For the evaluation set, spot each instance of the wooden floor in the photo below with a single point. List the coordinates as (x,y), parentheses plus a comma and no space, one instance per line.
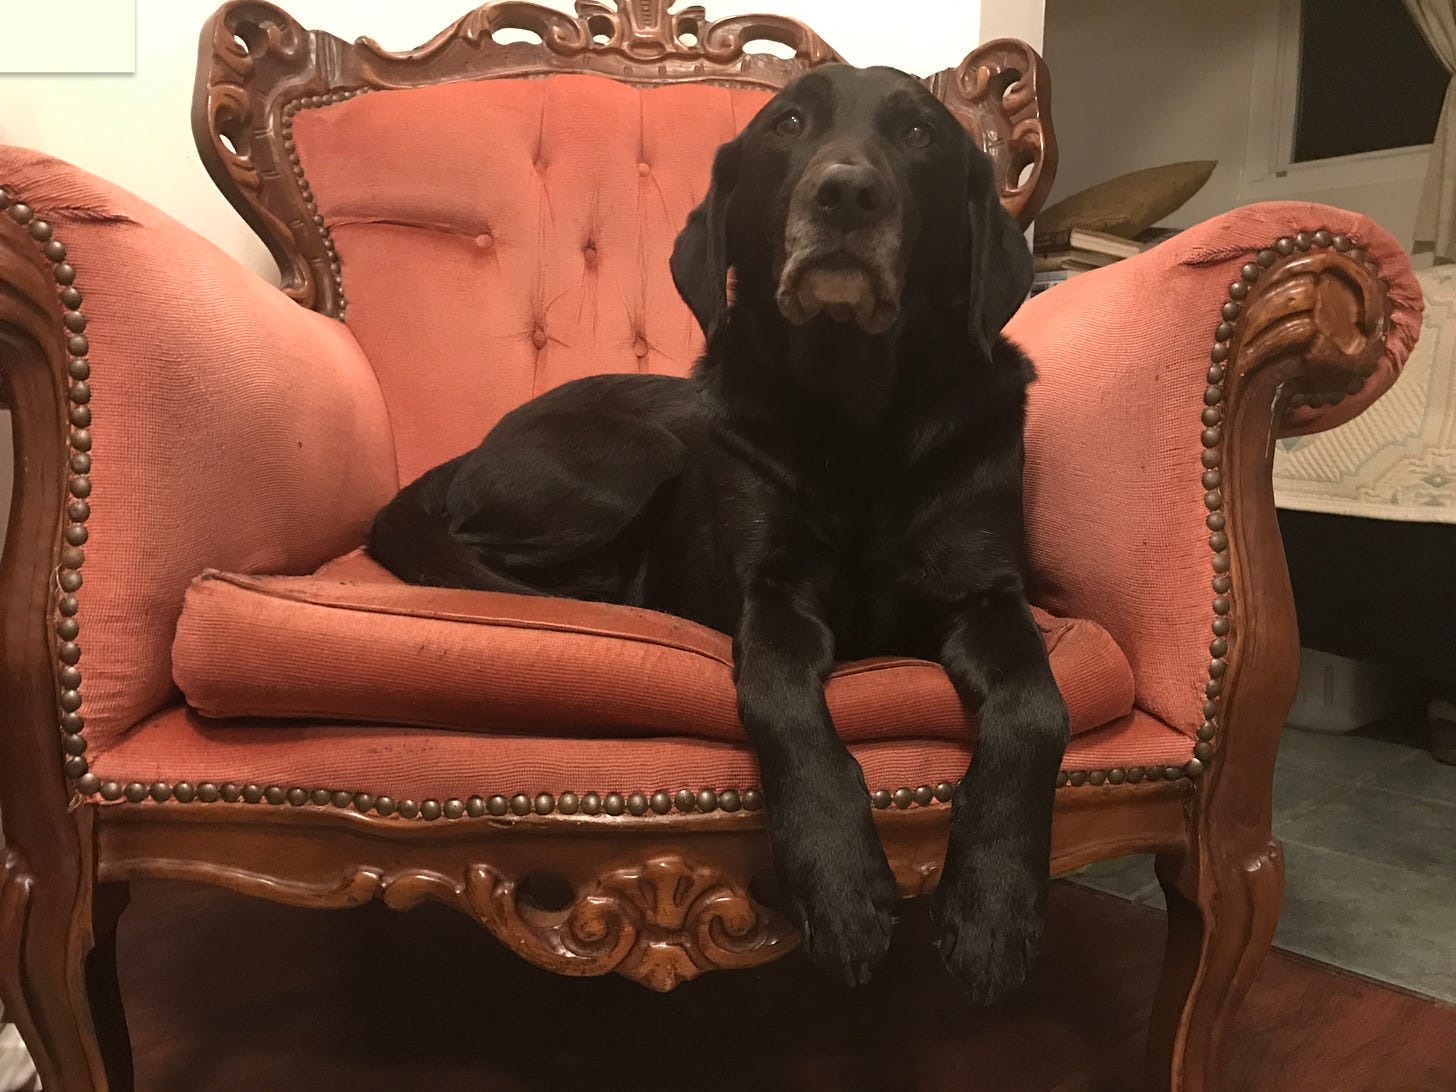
(228,993)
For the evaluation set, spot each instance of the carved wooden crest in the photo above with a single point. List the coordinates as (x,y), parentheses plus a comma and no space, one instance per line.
(642,32)
(258,65)
(660,923)
(1002,93)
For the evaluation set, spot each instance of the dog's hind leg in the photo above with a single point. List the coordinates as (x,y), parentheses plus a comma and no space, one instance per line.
(411,538)
(558,488)
(544,505)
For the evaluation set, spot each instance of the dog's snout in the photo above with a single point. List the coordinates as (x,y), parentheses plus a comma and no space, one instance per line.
(851,195)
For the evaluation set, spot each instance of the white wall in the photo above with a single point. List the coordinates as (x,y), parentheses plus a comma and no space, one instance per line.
(100,37)
(1022,19)
(1140,83)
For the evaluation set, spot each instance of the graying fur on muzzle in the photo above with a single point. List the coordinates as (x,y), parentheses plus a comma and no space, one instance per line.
(851,274)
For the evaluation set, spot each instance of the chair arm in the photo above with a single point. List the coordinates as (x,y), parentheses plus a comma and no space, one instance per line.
(1163,381)
(213,423)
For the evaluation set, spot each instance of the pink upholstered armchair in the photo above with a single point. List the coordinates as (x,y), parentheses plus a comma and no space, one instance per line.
(206,679)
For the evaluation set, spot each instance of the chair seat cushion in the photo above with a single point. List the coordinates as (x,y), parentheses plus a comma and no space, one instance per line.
(353,643)
(424,764)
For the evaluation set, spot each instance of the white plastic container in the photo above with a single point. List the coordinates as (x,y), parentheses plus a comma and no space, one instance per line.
(1340,695)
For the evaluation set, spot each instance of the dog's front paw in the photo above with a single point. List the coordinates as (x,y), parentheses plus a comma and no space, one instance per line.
(989,910)
(838,889)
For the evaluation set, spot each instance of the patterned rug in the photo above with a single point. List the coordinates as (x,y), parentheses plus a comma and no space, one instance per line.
(1397,460)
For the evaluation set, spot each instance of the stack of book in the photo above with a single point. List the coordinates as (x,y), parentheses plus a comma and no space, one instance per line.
(1062,255)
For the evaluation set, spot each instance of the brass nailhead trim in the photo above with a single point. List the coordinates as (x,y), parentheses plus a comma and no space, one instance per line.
(290,148)
(68,577)
(521,805)
(1211,438)
(659,802)
(67,629)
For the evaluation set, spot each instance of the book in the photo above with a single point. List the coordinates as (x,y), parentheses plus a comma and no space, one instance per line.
(1040,282)
(1073,259)
(1094,242)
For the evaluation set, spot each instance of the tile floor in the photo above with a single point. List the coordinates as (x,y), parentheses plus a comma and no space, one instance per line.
(1368,822)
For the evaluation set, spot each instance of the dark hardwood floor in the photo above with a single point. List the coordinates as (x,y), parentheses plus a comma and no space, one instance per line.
(226,993)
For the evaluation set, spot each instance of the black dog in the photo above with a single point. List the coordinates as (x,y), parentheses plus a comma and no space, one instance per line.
(840,478)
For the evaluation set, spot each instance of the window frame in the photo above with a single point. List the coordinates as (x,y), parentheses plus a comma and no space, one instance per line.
(1270,172)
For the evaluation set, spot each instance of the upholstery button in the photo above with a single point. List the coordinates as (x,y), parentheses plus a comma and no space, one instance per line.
(485,240)
(538,338)
(640,347)
(643,169)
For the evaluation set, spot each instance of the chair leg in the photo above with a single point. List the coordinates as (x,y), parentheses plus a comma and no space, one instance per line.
(104,988)
(45,933)
(1221,916)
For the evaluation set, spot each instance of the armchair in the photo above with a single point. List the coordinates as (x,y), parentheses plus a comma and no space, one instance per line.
(459,227)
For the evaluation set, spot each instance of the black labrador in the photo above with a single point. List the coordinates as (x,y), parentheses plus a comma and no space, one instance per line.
(841,477)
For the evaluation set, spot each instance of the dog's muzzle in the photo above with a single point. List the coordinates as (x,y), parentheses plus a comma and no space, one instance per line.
(842,242)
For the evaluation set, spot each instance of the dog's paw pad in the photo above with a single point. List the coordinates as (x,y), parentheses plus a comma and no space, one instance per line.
(842,896)
(989,961)
(987,931)
(847,939)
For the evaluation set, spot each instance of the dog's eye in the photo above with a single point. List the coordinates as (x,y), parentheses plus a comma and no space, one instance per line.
(918,136)
(790,125)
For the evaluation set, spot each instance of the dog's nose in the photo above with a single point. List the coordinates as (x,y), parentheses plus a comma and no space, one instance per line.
(851,195)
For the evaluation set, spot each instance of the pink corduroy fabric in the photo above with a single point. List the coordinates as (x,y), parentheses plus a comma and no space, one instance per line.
(429,764)
(500,237)
(543,253)
(231,429)
(1114,497)
(356,644)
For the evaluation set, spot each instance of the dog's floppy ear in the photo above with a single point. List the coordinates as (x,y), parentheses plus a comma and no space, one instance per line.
(1001,265)
(699,261)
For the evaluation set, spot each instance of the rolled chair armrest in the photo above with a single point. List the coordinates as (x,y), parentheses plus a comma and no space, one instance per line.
(1164,380)
(173,412)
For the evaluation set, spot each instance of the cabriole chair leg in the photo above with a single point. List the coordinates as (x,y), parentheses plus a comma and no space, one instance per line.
(1222,911)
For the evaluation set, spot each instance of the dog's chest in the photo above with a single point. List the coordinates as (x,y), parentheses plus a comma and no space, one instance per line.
(853,487)
(863,512)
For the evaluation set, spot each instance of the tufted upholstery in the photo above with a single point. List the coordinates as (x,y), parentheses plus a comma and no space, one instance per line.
(500,237)
(540,252)
(460,256)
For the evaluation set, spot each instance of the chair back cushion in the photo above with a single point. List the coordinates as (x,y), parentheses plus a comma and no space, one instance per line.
(497,238)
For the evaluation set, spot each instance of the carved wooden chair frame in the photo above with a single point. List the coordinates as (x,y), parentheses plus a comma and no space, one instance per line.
(658,881)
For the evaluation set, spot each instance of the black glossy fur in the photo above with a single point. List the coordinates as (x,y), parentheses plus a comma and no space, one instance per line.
(826,486)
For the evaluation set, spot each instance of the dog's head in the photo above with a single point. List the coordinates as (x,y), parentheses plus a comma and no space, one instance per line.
(848,188)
